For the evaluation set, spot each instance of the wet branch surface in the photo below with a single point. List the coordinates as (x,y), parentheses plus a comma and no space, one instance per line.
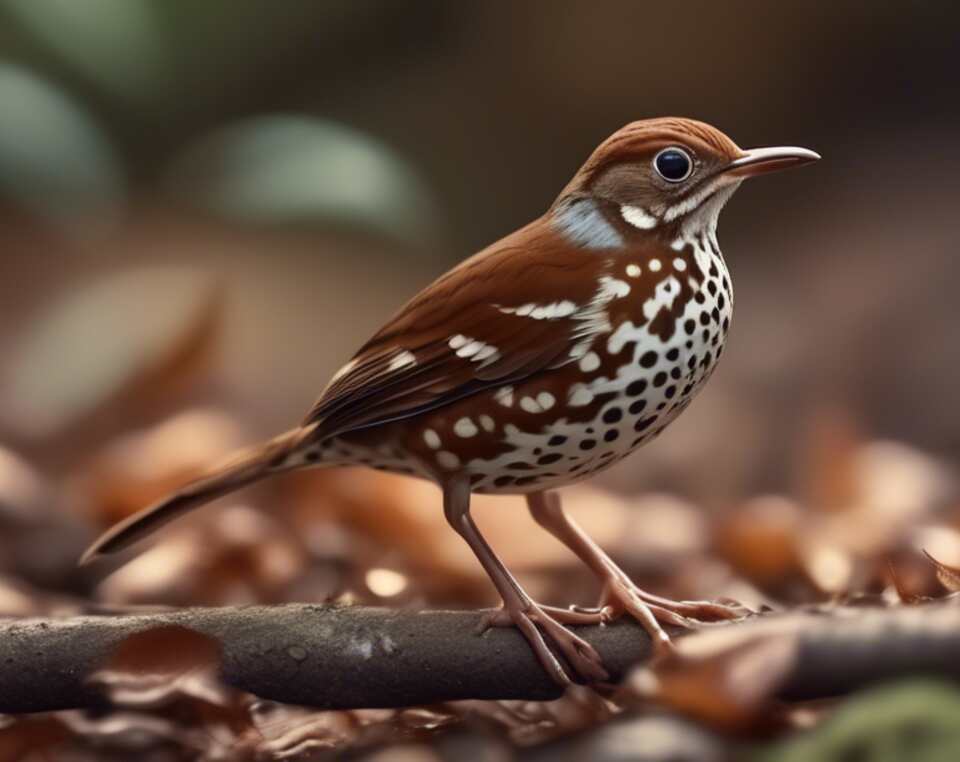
(351,656)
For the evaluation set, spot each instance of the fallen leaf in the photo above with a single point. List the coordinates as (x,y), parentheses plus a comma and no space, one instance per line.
(158,665)
(723,678)
(949,576)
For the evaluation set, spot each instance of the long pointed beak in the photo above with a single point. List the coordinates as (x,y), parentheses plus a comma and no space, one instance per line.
(758,161)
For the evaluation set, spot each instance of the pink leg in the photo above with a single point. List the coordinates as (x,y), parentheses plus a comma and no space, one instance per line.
(621,595)
(518,608)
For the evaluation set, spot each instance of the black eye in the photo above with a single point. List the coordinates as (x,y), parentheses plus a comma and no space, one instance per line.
(673,164)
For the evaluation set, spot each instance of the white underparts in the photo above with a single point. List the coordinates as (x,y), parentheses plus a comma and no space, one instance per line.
(704,206)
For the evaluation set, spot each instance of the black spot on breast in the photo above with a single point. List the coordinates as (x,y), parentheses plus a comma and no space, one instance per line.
(611,435)
(675,373)
(644,423)
(649,359)
(704,318)
(503,481)
(556,440)
(660,379)
(612,415)
(549,458)
(518,466)
(588,444)
(670,391)
(637,387)
(673,354)
(637,406)
(689,326)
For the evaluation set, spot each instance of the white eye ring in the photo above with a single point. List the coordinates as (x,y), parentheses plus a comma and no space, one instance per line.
(666,165)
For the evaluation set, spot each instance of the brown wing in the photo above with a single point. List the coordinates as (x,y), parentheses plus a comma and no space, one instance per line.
(519,307)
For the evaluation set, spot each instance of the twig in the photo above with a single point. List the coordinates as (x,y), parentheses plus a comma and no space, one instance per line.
(350,657)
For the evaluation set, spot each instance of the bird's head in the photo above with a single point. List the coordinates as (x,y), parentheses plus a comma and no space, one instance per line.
(664,174)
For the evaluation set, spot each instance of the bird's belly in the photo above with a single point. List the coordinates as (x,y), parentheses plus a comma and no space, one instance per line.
(642,383)
(563,425)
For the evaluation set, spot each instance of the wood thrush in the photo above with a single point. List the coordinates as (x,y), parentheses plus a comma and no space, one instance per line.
(549,356)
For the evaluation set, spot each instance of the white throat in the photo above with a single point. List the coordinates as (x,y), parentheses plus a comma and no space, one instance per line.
(703,217)
(699,211)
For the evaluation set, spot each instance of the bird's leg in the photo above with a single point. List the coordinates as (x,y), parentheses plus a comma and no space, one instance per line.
(620,594)
(520,609)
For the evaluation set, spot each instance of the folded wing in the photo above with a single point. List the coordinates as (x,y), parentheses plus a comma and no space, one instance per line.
(527,304)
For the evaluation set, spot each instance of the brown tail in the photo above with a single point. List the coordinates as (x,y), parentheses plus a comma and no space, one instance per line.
(242,469)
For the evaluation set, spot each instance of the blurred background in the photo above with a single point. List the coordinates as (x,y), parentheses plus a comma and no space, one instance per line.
(206,207)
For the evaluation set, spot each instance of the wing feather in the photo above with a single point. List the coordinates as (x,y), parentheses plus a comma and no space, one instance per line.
(455,338)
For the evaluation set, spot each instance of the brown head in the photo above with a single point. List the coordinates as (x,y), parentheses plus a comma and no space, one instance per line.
(663,173)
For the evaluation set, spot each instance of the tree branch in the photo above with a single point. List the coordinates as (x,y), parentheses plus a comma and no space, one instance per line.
(350,657)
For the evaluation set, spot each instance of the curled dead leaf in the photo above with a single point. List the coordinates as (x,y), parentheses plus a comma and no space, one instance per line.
(724,678)
(949,576)
(156,666)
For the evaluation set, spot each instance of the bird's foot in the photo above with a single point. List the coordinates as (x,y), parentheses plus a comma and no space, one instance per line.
(621,597)
(534,621)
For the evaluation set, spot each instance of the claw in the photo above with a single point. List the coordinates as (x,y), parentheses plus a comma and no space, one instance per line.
(622,596)
(534,621)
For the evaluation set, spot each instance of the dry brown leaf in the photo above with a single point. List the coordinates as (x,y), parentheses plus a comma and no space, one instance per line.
(829,476)
(156,666)
(949,576)
(760,539)
(138,468)
(232,555)
(904,584)
(30,737)
(61,394)
(723,678)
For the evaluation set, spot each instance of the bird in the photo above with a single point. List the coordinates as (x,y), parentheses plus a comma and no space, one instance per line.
(543,359)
